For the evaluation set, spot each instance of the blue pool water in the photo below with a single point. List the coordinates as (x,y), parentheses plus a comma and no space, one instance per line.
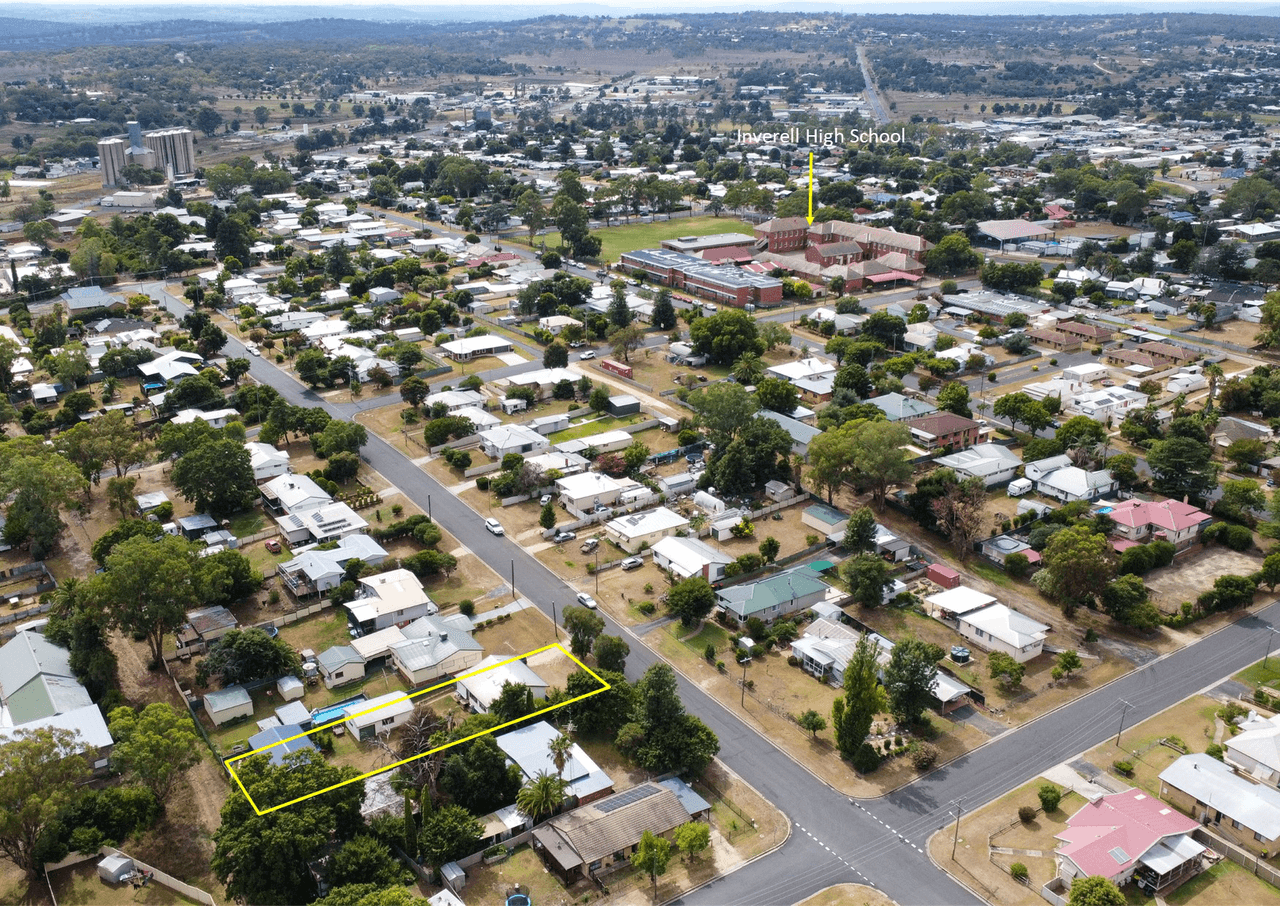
(1104,509)
(333,712)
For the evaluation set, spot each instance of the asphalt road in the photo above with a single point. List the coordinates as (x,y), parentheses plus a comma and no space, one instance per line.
(834,839)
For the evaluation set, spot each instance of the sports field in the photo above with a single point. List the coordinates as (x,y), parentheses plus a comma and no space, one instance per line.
(629,237)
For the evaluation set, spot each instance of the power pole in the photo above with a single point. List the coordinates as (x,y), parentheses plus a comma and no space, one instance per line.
(956,839)
(1123,711)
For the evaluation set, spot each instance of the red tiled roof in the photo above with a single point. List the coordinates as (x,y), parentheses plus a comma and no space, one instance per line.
(1173,515)
(1119,825)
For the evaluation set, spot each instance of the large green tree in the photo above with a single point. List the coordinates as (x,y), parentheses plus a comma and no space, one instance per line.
(1077,565)
(723,410)
(246,655)
(449,833)
(41,772)
(155,747)
(725,336)
(691,600)
(879,456)
(862,700)
(909,678)
(216,477)
(1095,891)
(1182,467)
(583,626)
(148,586)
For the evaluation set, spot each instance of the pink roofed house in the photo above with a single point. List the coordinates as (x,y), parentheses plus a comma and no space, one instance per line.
(1123,834)
(1166,520)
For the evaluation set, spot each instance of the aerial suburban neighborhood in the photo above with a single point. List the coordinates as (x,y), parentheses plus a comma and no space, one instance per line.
(754,458)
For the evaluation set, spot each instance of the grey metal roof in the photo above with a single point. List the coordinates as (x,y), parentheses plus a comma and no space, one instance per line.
(338,656)
(273,737)
(1255,806)
(223,699)
(26,655)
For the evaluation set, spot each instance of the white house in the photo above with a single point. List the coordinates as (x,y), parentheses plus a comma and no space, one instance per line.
(378,716)
(293,494)
(468,348)
(454,400)
(315,571)
(217,418)
(999,628)
(645,529)
(1166,520)
(1106,403)
(266,460)
(993,463)
(498,442)
(1255,750)
(1058,477)
(330,522)
(686,557)
(340,665)
(436,649)
(393,598)
(481,687)
(803,369)
(557,323)
(584,490)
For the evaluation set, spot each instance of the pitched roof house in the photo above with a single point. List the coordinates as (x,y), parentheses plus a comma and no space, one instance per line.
(776,596)
(1166,520)
(1116,835)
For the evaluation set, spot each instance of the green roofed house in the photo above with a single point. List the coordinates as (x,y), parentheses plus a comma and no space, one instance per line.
(777,596)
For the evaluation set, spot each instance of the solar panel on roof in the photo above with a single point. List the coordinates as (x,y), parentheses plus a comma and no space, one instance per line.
(635,794)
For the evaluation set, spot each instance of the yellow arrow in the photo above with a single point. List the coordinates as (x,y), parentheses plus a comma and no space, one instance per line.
(810,217)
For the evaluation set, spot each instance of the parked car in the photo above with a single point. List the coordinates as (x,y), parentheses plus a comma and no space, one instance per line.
(252,348)
(562,536)
(601,508)
(632,563)
(590,545)
(589,354)
(494,527)
(577,344)
(272,545)
(586,600)
(544,500)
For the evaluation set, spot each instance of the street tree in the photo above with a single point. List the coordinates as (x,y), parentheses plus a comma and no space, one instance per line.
(583,626)
(1068,662)
(725,336)
(626,340)
(611,653)
(41,773)
(954,398)
(555,356)
(664,313)
(812,721)
(155,747)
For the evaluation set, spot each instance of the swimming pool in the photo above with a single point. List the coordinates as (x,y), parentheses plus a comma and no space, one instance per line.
(335,711)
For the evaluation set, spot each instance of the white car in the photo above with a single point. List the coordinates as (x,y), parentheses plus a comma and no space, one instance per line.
(586,600)
(494,527)
(252,348)
(589,354)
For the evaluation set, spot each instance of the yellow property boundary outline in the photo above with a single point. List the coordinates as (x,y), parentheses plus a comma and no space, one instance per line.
(229,762)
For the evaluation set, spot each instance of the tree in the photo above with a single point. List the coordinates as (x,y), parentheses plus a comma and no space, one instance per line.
(618,313)
(862,700)
(867,577)
(885,328)
(39,484)
(1269,575)
(860,532)
(812,721)
(155,747)
(909,678)
(1124,469)
(1005,669)
(1182,467)
(312,366)
(1241,499)
(778,395)
(216,477)
(263,858)
(599,399)
(247,655)
(1078,563)
(651,856)
(364,860)
(583,626)
(1095,891)
(120,495)
(626,340)
(665,737)
(541,796)
(611,653)
(692,837)
(769,549)
(339,436)
(954,398)
(555,356)
(547,517)
(148,586)
(1018,407)
(724,410)
(691,600)
(725,336)
(1245,452)
(960,513)
(1081,432)
(952,255)
(1068,662)
(831,459)
(748,370)
(447,834)
(477,776)
(41,772)
(879,456)
(664,313)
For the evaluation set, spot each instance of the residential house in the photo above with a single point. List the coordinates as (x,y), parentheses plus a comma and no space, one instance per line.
(579,844)
(585,490)
(316,571)
(801,434)
(686,557)
(1086,332)
(330,522)
(339,665)
(1000,628)
(266,461)
(1246,813)
(226,705)
(604,442)
(637,531)
(776,596)
(993,463)
(1255,750)
(453,400)
(468,348)
(897,407)
(1054,339)
(292,494)
(394,598)
(498,442)
(170,367)
(1165,520)
(480,688)
(920,337)
(825,649)
(956,602)
(1106,404)
(378,716)
(433,648)
(826,519)
(39,690)
(528,749)
(802,369)
(1058,477)
(1122,834)
(1230,429)
(944,430)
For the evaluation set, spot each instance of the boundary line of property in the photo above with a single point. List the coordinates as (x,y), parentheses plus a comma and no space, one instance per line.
(604,687)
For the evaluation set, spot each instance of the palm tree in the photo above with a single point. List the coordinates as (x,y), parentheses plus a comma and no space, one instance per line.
(560,747)
(541,796)
(1213,373)
(749,369)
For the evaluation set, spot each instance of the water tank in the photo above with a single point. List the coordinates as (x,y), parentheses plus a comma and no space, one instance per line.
(959,654)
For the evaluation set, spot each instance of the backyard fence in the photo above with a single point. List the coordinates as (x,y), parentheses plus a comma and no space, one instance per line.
(157,876)
(1238,854)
